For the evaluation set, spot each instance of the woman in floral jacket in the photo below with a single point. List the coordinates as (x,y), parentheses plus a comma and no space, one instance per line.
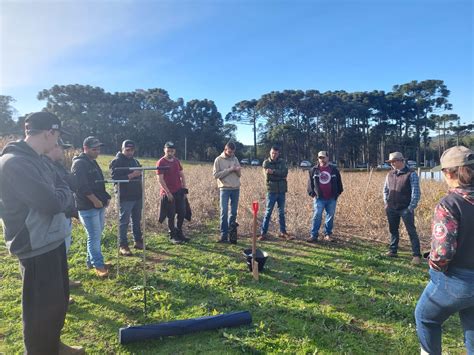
(451,259)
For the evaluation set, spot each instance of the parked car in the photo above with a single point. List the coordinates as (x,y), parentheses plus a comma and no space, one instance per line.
(245,161)
(306,164)
(411,164)
(362,165)
(255,162)
(384,166)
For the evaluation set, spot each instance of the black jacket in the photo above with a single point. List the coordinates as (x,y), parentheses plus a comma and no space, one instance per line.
(131,191)
(313,182)
(32,202)
(87,173)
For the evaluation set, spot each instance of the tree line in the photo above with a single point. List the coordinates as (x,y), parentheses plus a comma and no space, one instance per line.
(353,126)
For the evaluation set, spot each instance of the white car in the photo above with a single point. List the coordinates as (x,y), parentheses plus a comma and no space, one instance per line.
(255,162)
(305,164)
(384,166)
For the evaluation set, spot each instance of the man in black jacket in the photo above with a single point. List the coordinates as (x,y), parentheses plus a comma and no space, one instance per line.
(91,200)
(32,206)
(130,195)
(324,186)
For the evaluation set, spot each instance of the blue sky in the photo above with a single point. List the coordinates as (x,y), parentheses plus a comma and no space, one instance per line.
(233,50)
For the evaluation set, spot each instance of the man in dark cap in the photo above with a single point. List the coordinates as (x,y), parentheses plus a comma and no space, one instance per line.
(130,195)
(32,206)
(172,191)
(91,201)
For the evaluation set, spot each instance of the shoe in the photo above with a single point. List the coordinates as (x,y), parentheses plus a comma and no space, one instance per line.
(71,301)
(102,271)
(74,284)
(262,237)
(66,349)
(391,254)
(182,237)
(328,238)
(312,240)
(174,237)
(125,251)
(138,245)
(416,260)
(286,236)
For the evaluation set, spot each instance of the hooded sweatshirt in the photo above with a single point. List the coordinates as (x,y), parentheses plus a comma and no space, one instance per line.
(222,171)
(452,242)
(32,202)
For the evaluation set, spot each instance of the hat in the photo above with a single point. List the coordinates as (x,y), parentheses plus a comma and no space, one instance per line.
(395,156)
(64,145)
(455,156)
(92,142)
(169,145)
(43,121)
(128,144)
(323,153)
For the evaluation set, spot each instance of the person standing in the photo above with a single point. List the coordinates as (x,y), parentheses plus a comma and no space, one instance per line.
(276,172)
(131,199)
(32,206)
(401,194)
(91,200)
(324,186)
(227,172)
(451,286)
(173,193)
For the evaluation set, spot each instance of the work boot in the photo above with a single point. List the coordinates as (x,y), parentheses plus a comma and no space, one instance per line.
(138,245)
(125,251)
(312,239)
(102,272)
(391,254)
(180,236)
(70,350)
(174,237)
(416,260)
(286,236)
(74,284)
(328,238)
(263,237)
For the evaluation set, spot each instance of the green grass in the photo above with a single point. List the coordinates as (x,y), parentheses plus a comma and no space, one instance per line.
(338,298)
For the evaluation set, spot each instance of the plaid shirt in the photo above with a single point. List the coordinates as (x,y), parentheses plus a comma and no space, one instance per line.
(415,190)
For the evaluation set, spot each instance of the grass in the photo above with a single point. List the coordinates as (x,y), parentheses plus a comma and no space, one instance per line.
(333,298)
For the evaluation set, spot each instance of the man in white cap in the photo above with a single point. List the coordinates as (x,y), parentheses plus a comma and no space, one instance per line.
(324,186)
(401,194)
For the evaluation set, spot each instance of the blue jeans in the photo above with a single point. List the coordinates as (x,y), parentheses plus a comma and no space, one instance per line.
(319,205)
(408,217)
(94,221)
(272,198)
(133,209)
(446,294)
(225,195)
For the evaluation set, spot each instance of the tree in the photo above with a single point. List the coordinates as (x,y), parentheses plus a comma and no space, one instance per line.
(246,112)
(7,124)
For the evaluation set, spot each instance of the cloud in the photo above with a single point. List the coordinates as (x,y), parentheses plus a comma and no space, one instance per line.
(35,35)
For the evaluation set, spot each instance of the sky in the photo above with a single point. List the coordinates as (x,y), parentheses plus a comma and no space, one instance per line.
(233,50)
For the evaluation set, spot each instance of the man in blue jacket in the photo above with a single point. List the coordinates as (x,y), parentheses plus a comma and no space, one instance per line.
(130,195)
(32,206)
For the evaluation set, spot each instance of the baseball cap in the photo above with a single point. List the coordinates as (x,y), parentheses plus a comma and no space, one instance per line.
(128,143)
(323,153)
(43,121)
(169,145)
(395,156)
(92,142)
(454,157)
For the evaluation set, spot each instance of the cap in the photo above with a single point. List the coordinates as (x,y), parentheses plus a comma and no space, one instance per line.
(128,144)
(43,121)
(455,156)
(323,153)
(92,142)
(169,145)
(64,145)
(395,156)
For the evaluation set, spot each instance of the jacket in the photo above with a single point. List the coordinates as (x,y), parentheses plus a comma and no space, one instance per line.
(226,179)
(313,182)
(87,173)
(276,182)
(32,202)
(132,190)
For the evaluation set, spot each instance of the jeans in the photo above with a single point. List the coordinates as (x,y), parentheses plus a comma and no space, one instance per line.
(133,209)
(319,205)
(408,217)
(94,221)
(446,294)
(225,195)
(272,198)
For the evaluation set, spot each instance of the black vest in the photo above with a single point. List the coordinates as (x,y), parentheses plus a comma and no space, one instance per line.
(399,186)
